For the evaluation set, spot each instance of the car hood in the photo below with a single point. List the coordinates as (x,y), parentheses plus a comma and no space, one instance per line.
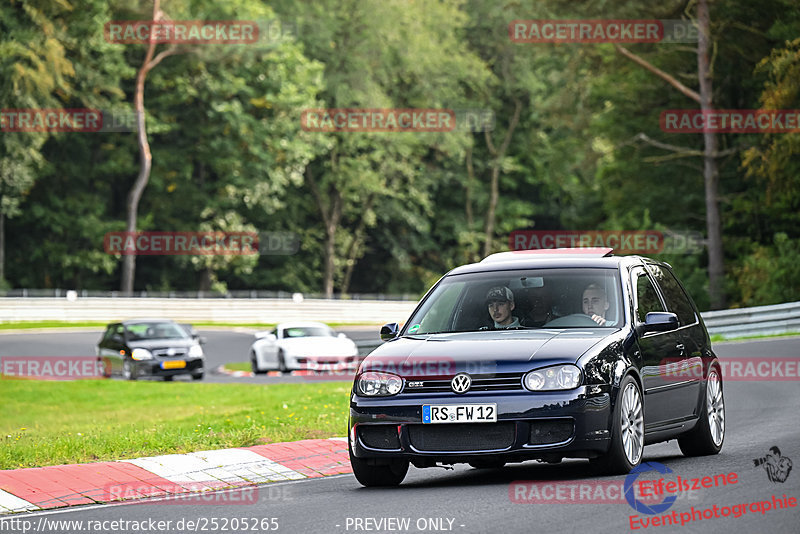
(318,346)
(151,344)
(486,351)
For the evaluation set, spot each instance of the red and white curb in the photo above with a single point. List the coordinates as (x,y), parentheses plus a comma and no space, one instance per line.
(39,488)
(221,370)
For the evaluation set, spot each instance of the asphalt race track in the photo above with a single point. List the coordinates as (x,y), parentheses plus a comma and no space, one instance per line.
(221,347)
(759,415)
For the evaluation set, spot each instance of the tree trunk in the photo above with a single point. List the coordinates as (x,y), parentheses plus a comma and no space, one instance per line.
(145,158)
(497,161)
(330,217)
(716,267)
(355,244)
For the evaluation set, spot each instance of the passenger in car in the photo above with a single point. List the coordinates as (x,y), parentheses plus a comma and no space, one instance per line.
(595,303)
(540,309)
(500,301)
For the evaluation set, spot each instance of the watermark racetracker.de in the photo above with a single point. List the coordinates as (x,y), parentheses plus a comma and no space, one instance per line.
(201,243)
(396,120)
(77,120)
(602,31)
(622,241)
(52,367)
(756,369)
(730,121)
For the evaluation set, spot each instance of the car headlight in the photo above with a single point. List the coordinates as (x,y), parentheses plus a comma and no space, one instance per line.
(141,354)
(553,378)
(195,351)
(374,384)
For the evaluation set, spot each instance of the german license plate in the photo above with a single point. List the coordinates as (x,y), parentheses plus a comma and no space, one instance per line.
(459,413)
(173,364)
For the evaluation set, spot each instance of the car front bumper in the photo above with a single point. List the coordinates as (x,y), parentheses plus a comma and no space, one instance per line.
(154,368)
(547,425)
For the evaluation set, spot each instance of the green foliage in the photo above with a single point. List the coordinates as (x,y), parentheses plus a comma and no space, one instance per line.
(398,208)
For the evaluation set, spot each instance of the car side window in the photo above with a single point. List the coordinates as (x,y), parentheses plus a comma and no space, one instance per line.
(677,301)
(646,296)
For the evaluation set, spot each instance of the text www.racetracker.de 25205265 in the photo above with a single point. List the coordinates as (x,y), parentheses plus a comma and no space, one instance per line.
(127,526)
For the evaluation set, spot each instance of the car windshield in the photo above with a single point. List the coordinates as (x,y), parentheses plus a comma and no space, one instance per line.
(524,299)
(139,331)
(307,331)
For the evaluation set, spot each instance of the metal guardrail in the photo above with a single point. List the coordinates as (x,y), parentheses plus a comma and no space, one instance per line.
(757,321)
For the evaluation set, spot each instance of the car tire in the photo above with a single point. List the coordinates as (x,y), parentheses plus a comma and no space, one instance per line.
(282,364)
(627,432)
(128,370)
(168,378)
(254,364)
(378,475)
(197,376)
(708,434)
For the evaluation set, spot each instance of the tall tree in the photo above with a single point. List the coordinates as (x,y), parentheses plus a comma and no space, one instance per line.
(145,157)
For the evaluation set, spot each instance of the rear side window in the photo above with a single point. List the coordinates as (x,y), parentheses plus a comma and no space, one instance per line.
(646,296)
(676,299)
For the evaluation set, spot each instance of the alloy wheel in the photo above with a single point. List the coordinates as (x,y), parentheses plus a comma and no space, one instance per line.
(715,405)
(632,424)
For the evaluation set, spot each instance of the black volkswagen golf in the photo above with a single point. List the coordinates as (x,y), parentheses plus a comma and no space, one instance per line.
(539,355)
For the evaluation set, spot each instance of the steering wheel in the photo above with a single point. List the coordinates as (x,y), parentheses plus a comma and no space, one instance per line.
(576,319)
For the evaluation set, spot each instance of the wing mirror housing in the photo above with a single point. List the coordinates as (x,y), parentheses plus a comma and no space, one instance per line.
(660,321)
(389,331)
(266,334)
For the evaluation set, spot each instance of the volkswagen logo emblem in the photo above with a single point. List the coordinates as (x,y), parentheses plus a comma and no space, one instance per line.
(461,383)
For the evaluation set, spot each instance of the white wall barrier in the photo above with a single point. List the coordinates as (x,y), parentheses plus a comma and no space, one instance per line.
(217,310)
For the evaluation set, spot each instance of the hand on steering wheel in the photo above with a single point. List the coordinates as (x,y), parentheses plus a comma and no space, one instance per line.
(599,320)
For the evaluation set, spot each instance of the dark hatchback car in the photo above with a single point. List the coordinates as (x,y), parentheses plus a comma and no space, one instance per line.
(591,362)
(151,348)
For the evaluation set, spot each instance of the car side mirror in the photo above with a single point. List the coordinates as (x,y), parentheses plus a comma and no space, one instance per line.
(117,338)
(389,331)
(202,340)
(265,334)
(341,335)
(660,321)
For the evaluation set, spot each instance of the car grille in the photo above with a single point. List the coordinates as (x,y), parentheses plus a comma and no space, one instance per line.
(379,436)
(493,382)
(163,353)
(462,436)
(546,431)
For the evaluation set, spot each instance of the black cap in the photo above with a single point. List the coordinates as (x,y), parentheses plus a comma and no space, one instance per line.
(500,293)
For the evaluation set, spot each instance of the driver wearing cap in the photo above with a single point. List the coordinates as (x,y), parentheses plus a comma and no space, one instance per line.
(500,301)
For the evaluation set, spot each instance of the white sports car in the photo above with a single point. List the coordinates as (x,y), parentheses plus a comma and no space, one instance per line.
(302,345)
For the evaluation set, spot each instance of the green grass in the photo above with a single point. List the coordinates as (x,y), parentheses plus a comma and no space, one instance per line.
(51,423)
(238,366)
(716,338)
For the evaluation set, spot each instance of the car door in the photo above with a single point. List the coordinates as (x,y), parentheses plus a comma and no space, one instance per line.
(268,347)
(110,347)
(657,348)
(690,338)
